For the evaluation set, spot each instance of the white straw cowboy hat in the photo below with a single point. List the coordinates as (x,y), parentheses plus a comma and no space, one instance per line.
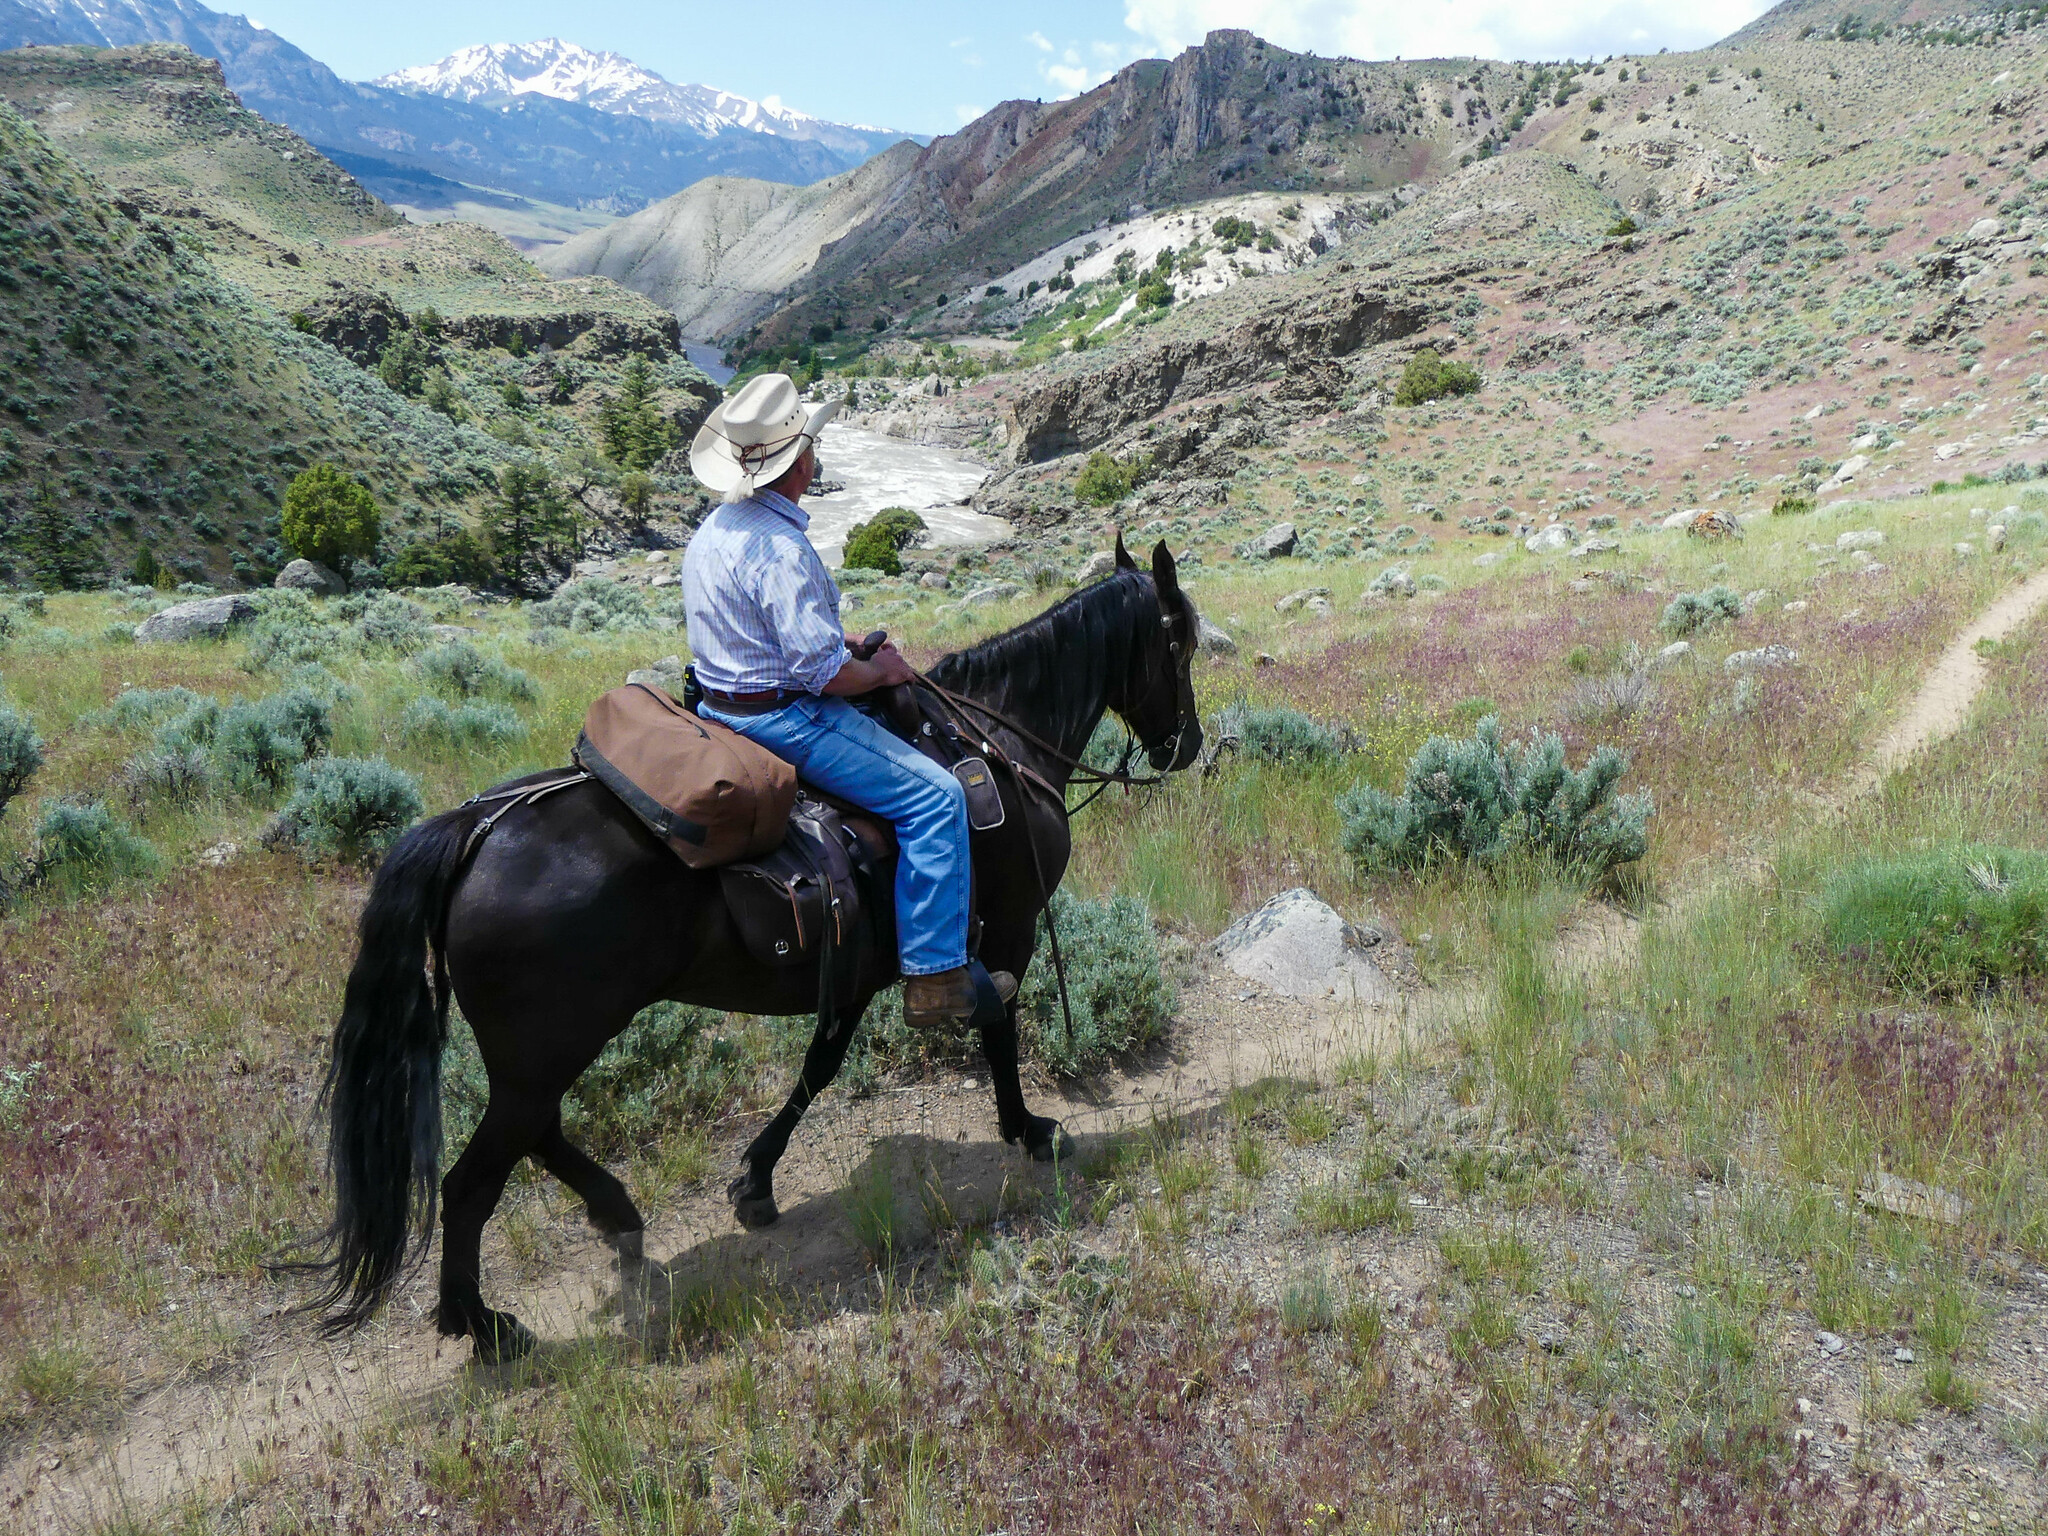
(754,436)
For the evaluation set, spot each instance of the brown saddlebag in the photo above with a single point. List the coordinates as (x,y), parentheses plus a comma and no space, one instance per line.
(709,793)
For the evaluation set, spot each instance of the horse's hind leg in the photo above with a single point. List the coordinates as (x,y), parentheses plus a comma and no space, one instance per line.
(611,1211)
(753,1193)
(512,1126)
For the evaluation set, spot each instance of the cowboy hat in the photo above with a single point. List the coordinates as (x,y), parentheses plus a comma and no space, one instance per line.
(755,436)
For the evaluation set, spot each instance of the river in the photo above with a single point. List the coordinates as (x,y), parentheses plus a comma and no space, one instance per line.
(879,471)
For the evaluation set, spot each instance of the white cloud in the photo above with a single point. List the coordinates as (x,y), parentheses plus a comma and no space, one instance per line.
(1039,41)
(1499,29)
(968,114)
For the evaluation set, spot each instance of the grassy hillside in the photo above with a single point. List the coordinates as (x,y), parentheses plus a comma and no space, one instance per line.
(318,277)
(153,404)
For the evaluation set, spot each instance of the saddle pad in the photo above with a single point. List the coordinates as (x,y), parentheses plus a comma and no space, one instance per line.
(709,793)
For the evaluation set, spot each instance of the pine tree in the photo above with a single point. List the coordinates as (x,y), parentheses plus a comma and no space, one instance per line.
(634,431)
(530,525)
(59,548)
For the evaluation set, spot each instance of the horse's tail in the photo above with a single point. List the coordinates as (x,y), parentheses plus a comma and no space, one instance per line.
(383,1088)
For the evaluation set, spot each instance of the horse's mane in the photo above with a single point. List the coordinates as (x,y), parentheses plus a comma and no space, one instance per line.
(1056,670)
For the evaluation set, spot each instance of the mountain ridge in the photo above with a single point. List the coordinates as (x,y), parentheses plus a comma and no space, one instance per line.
(532,145)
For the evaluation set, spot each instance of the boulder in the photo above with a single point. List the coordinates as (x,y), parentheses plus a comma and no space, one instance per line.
(1714,524)
(1299,946)
(1859,538)
(1766,656)
(994,592)
(311,576)
(1681,519)
(1554,540)
(1675,652)
(1394,581)
(1595,547)
(1985,229)
(206,618)
(1213,639)
(1275,542)
(1851,467)
(1095,567)
(666,674)
(1492,557)
(1994,535)
(934,581)
(1294,600)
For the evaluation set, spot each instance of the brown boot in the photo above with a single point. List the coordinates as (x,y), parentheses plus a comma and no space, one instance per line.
(931,1000)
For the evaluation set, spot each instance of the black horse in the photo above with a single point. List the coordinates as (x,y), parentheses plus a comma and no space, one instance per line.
(564,922)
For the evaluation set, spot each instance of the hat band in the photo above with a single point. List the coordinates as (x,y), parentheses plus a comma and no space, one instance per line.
(753,457)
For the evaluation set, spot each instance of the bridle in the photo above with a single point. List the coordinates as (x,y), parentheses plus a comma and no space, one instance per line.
(960,706)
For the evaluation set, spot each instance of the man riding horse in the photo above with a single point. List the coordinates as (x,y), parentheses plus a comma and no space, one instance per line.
(763,615)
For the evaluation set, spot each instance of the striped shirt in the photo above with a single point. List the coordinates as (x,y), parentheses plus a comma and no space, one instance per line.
(763,612)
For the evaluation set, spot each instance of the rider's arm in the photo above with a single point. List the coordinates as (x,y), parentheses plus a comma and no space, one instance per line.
(886,670)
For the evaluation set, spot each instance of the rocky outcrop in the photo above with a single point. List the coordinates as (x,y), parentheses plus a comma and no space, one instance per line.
(358,323)
(207,618)
(594,334)
(1297,351)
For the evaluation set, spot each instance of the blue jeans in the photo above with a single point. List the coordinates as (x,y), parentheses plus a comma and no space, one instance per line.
(841,750)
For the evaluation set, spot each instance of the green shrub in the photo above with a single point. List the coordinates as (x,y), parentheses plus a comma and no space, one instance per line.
(134,708)
(433,722)
(392,623)
(1156,294)
(1622,227)
(1428,377)
(877,544)
(665,1069)
(1116,981)
(593,606)
(1791,504)
(1947,920)
(1280,734)
(1482,798)
(289,632)
(1691,612)
(454,557)
(249,747)
(329,516)
(351,807)
(1104,481)
(81,844)
(21,755)
(459,668)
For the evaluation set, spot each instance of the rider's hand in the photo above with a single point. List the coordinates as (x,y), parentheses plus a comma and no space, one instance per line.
(889,662)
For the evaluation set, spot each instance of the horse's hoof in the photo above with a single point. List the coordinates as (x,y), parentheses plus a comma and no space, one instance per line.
(1055,1145)
(754,1214)
(501,1338)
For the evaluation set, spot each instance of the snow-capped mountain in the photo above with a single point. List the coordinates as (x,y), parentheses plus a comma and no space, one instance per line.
(610,82)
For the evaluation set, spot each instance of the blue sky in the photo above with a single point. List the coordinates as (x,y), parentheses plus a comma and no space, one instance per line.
(930,67)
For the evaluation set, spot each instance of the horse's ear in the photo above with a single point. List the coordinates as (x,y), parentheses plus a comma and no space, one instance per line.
(1164,576)
(1124,562)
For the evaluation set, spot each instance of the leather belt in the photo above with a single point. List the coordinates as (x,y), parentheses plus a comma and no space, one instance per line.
(766,702)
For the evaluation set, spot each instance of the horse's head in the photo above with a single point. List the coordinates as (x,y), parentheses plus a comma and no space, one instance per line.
(1158,697)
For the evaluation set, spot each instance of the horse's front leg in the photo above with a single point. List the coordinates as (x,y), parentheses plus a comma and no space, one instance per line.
(1043,1137)
(753,1193)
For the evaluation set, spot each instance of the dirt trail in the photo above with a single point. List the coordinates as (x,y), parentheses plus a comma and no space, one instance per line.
(290,1391)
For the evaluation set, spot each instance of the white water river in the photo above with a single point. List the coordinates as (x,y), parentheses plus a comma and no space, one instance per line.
(880,472)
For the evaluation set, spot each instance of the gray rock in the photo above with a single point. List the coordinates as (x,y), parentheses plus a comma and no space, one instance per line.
(994,592)
(446,632)
(1294,600)
(1095,567)
(1277,541)
(1859,538)
(1299,946)
(1903,1355)
(206,618)
(1682,519)
(1675,652)
(1394,581)
(1492,557)
(1765,656)
(1317,608)
(666,674)
(934,581)
(1213,639)
(1554,540)
(311,576)
(1595,547)
(1830,1343)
